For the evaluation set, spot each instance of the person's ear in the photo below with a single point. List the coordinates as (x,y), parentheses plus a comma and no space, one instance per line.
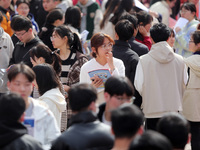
(106,96)
(141,130)
(93,49)
(189,138)
(92,106)
(152,40)
(21,119)
(116,36)
(198,45)
(112,132)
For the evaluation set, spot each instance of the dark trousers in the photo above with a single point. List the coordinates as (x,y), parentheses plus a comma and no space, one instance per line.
(151,123)
(195,132)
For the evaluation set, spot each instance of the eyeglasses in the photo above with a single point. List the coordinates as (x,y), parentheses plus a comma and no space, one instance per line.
(53,37)
(190,41)
(131,99)
(19,34)
(23,8)
(183,11)
(109,45)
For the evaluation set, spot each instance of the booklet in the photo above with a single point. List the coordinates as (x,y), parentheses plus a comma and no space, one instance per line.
(101,73)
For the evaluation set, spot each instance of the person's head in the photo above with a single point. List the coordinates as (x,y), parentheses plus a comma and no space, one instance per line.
(188,11)
(23,7)
(63,35)
(82,97)
(42,54)
(111,7)
(49,5)
(73,16)
(22,27)
(133,19)
(124,6)
(171,3)
(127,121)
(20,79)
(194,43)
(101,44)
(176,128)
(124,30)
(55,17)
(171,39)
(5,3)
(144,19)
(118,90)
(159,32)
(12,107)
(46,78)
(83,2)
(151,140)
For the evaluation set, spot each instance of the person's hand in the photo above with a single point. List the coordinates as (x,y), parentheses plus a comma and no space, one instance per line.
(177,29)
(96,81)
(109,57)
(142,30)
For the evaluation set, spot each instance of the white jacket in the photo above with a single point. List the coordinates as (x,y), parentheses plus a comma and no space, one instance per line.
(56,102)
(46,129)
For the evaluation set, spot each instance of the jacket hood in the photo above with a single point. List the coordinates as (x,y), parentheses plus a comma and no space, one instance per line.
(9,131)
(56,97)
(193,62)
(87,4)
(162,52)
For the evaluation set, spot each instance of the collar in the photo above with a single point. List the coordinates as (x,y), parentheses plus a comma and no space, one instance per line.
(83,117)
(122,43)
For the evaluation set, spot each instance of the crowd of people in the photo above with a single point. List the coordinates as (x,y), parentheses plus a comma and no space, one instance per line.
(131,83)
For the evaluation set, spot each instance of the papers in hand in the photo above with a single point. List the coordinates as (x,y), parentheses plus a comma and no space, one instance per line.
(181,22)
(101,73)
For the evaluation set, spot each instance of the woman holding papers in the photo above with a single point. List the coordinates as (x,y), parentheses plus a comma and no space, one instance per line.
(103,65)
(188,11)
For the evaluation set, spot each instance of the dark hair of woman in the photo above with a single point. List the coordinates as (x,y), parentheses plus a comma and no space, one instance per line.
(124,6)
(110,9)
(144,18)
(50,57)
(73,39)
(46,78)
(73,17)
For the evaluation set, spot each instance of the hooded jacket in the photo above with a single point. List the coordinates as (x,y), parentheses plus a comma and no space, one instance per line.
(160,79)
(191,102)
(56,102)
(13,135)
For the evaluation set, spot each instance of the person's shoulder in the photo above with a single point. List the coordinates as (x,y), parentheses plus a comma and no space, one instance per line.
(31,142)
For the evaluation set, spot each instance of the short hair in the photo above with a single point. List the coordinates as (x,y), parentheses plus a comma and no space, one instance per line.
(50,57)
(159,32)
(133,19)
(124,30)
(126,121)
(73,16)
(189,6)
(81,96)
(151,140)
(176,128)
(97,40)
(46,78)
(18,2)
(53,15)
(196,37)
(144,18)
(23,69)
(19,23)
(12,106)
(117,85)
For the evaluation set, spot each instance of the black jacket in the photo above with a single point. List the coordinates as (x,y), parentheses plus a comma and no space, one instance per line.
(102,108)
(21,52)
(123,51)
(13,136)
(138,47)
(85,133)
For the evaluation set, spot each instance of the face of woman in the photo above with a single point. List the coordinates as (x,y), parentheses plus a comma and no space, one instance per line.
(171,40)
(187,14)
(57,41)
(148,26)
(192,46)
(23,9)
(104,49)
